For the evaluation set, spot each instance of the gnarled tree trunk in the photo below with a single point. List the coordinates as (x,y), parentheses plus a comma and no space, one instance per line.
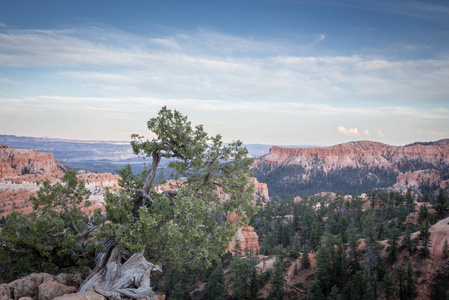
(117,281)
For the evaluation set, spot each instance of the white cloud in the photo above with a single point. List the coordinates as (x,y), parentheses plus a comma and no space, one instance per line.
(380,134)
(350,131)
(207,64)
(213,76)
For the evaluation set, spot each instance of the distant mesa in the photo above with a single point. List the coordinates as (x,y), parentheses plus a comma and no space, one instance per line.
(352,168)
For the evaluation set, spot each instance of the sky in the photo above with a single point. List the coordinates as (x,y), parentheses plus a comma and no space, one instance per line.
(284,72)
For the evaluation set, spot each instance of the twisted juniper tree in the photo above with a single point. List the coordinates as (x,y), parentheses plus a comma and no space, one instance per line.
(184,222)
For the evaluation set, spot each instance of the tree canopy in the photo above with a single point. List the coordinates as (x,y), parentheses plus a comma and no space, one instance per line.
(182,222)
(185,220)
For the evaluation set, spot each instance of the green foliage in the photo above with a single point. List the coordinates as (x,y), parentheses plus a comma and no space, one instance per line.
(188,224)
(240,276)
(277,281)
(50,239)
(442,203)
(215,287)
(445,252)
(305,260)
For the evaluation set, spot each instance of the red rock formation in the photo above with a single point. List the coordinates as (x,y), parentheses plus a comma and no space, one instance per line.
(245,236)
(355,154)
(261,191)
(305,171)
(16,162)
(23,171)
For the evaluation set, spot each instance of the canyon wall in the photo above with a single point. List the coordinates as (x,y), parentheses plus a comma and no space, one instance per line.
(352,167)
(23,171)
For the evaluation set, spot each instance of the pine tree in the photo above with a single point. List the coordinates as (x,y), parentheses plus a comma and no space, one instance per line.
(410,287)
(324,272)
(392,249)
(253,285)
(441,204)
(305,260)
(277,281)
(400,279)
(239,277)
(388,287)
(215,287)
(445,254)
(237,249)
(424,236)
(409,243)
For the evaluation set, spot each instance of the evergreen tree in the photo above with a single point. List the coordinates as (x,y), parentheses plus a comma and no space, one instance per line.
(400,279)
(50,239)
(215,287)
(423,214)
(357,287)
(441,204)
(305,260)
(408,243)
(253,285)
(392,249)
(424,236)
(445,254)
(239,277)
(410,287)
(388,287)
(324,271)
(179,293)
(277,281)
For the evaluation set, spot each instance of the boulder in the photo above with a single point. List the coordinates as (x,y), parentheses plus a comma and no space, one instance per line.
(52,289)
(81,296)
(27,286)
(74,280)
(5,292)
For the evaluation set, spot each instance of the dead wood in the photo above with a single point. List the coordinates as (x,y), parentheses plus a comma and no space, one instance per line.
(118,281)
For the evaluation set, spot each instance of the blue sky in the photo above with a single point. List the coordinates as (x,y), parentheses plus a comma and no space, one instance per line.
(274,72)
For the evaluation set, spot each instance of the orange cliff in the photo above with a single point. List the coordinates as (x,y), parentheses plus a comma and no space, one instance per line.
(354,154)
(16,162)
(23,171)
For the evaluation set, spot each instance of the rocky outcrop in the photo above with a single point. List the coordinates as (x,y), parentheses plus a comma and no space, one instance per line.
(52,289)
(22,172)
(15,162)
(247,239)
(43,286)
(352,167)
(261,191)
(357,154)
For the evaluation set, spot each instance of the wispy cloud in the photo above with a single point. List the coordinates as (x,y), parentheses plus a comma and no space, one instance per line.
(207,64)
(261,83)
